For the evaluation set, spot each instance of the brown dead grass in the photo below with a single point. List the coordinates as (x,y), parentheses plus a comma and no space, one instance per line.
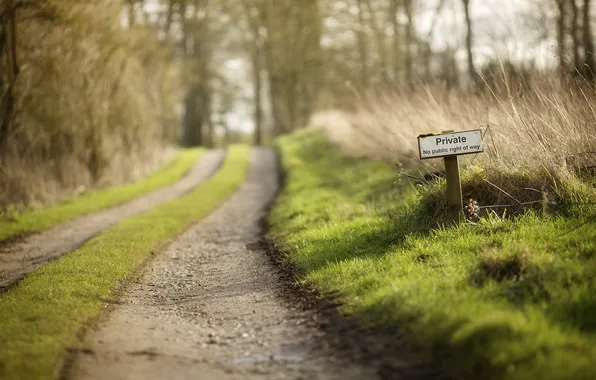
(93,103)
(537,140)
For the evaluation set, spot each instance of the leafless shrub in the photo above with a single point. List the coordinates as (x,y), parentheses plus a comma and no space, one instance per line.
(90,100)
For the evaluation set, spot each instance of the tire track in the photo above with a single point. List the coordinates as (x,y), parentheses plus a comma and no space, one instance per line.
(211,308)
(21,257)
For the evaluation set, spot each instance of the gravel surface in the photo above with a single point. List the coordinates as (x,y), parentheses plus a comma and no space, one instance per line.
(214,305)
(211,308)
(24,255)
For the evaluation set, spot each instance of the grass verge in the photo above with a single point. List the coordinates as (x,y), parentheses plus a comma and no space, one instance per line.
(41,317)
(89,202)
(503,298)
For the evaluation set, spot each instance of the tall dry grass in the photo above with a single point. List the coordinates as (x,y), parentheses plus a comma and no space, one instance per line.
(537,139)
(93,104)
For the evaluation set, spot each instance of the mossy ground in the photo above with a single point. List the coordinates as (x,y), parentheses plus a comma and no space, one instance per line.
(500,298)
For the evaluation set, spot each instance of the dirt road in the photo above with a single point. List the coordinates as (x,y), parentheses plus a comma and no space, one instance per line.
(18,259)
(210,308)
(214,306)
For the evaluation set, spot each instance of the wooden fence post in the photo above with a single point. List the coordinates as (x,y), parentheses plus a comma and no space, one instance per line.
(454,197)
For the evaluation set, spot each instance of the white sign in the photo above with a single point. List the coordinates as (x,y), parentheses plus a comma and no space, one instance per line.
(450,144)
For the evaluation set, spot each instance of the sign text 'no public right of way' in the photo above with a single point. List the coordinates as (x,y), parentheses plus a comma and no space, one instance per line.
(449,144)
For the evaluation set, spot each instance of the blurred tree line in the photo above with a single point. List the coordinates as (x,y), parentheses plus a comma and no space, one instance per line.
(319,53)
(574,37)
(89,88)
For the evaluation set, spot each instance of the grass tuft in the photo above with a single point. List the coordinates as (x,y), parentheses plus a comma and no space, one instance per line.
(500,266)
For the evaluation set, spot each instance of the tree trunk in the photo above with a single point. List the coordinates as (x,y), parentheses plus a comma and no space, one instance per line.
(131,13)
(8,47)
(204,106)
(169,18)
(11,48)
(258,112)
(428,56)
(394,14)
(198,124)
(380,35)
(469,40)
(575,34)
(226,129)
(589,61)
(193,135)
(427,50)
(184,26)
(255,23)
(409,41)
(6,115)
(561,21)
(308,85)
(274,82)
(144,12)
(274,90)
(362,49)
(210,140)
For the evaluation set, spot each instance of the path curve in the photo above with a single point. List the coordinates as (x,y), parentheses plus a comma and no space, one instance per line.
(210,308)
(22,257)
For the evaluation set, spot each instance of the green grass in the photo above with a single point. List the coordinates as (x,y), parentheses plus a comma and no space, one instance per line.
(41,317)
(500,299)
(37,220)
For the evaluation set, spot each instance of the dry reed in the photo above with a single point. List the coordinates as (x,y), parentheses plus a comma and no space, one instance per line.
(536,139)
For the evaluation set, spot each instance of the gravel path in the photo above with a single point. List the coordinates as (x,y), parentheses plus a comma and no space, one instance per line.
(211,308)
(20,258)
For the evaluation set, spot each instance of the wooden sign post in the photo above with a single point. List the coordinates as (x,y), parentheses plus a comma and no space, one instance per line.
(450,145)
